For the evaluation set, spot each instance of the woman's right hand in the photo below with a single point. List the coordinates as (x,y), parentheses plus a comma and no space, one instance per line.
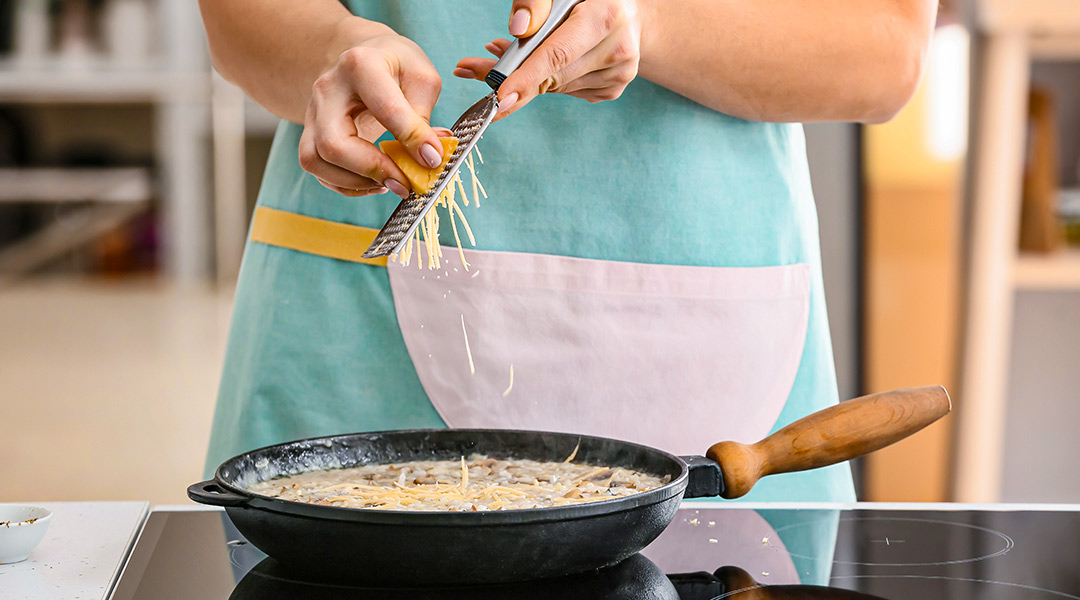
(385,82)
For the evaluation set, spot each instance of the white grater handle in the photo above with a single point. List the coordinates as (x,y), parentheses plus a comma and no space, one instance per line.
(522,48)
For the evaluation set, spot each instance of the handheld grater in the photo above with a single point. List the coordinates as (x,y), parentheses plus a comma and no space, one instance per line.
(393,236)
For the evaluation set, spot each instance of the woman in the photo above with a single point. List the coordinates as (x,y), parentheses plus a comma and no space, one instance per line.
(648,263)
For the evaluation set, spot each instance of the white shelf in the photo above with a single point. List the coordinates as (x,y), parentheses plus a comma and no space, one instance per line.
(97,81)
(113,185)
(1039,17)
(1055,47)
(1058,271)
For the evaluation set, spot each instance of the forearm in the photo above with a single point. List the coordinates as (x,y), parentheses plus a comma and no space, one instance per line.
(789,60)
(275,49)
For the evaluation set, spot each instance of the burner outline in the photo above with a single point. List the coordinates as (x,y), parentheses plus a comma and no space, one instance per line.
(964,579)
(1009,544)
(931,577)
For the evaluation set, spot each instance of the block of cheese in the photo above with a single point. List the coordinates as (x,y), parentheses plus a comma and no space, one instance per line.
(420,176)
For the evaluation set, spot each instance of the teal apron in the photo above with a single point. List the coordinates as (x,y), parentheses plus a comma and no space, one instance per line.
(649,193)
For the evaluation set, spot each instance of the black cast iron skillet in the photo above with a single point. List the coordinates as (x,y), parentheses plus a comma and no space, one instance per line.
(385,546)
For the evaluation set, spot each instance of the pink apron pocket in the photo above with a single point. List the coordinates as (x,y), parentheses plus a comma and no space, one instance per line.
(669,356)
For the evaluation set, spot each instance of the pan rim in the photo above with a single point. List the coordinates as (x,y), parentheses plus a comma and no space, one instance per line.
(674,489)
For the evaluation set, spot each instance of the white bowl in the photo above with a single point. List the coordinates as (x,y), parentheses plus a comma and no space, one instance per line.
(21,529)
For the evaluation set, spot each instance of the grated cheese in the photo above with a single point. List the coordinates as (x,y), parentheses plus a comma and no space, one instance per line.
(422,178)
(468,351)
(511,386)
(474,483)
(573,454)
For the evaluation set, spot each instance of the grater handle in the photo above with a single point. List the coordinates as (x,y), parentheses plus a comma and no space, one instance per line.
(522,48)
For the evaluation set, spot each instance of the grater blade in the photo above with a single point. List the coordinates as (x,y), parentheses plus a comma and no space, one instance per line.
(406,217)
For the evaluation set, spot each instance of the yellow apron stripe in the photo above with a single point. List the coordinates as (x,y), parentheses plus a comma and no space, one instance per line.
(313,236)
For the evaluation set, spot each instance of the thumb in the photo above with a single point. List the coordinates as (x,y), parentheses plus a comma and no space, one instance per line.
(527,16)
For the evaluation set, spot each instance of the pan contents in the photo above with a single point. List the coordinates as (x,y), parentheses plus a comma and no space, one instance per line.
(477,483)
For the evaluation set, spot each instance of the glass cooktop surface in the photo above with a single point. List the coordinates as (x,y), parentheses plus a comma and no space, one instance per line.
(707,553)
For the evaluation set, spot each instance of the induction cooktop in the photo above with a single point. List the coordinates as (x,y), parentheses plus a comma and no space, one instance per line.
(708,553)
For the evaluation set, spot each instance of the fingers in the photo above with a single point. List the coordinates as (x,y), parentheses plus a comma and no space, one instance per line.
(331,148)
(527,16)
(498,47)
(401,104)
(367,126)
(582,31)
(474,68)
(608,65)
(342,179)
(385,83)
(611,79)
(353,193)
(477,68)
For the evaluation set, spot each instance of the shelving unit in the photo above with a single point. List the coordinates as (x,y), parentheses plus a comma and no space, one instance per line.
(115,185)
(1055,272)
(176,81)
(97,81)
(112,195)
(1014,33)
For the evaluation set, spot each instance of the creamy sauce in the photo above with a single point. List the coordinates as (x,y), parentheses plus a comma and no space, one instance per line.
(474,484)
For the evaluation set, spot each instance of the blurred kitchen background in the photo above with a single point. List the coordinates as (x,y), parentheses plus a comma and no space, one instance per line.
(128,170)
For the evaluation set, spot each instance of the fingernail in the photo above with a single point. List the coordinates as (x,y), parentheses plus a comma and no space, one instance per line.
(508,102)
(441,130)
(377,191)
(430,155)
(397,187)
(467,73)
(519,22)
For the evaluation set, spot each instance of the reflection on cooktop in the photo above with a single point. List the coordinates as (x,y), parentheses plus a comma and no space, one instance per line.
(634,579)
(732,582)
(909,542)
(706,554)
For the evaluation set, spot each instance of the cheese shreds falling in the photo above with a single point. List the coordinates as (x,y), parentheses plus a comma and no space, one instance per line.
(511,386)
(472,169)
(427,234)
(468,351)
(457,239)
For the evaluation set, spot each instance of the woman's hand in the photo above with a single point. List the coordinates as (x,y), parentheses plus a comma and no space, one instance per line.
(385,82)
(593,55)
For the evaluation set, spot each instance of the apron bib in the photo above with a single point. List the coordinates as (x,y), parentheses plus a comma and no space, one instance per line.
(605,348)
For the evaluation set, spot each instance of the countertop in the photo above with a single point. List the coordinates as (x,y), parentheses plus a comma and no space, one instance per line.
(89,545)
(82,553)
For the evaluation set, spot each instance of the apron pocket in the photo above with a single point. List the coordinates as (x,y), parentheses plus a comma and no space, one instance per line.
(673,357)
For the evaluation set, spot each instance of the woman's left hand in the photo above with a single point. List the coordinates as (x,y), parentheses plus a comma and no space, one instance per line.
(593,55)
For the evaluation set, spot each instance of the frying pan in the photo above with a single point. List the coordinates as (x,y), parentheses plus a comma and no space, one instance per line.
(425,548)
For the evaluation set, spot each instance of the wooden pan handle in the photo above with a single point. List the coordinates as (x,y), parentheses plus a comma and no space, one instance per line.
(838,433)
